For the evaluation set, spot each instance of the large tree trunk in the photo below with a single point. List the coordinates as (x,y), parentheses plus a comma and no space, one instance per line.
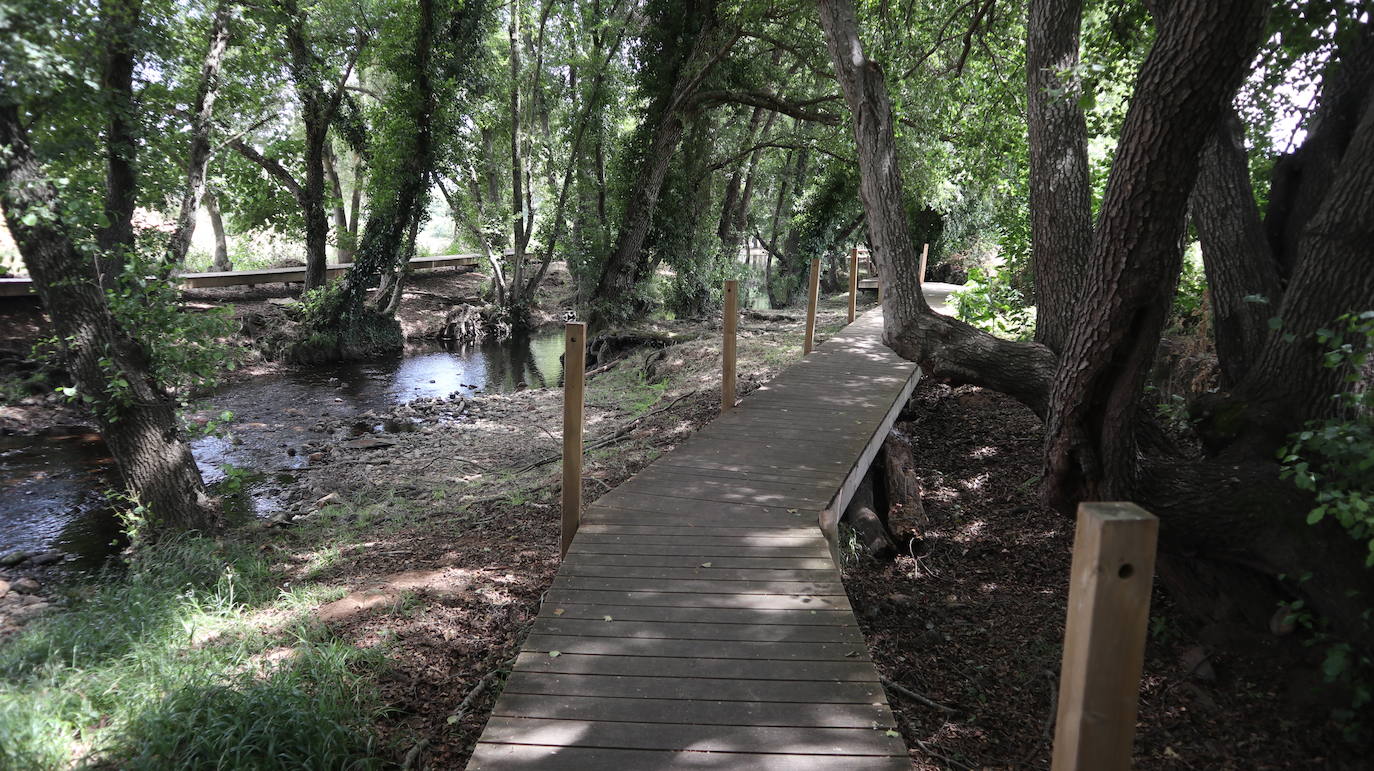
(343,250)
(1191,72)
(1060,195)
(626,265)
(217,225)
(137,418)
(1241,273)
(944,347)
(120,19)
(199,154)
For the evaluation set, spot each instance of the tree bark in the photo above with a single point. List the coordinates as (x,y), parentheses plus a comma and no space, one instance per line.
(1235,253)
(944,347)
(198,155)
(343,252)
(1189,75)
(120,19)
(1060,194)
(217,225)
(137,418)
(626,265)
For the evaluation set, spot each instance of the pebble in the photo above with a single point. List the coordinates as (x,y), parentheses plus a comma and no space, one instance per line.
(4,587)
(14,558)
(26,585)
(46,558)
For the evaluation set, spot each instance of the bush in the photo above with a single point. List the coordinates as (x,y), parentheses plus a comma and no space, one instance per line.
(990,302)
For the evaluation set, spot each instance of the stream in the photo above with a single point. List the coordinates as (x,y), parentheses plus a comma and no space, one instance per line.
(52,486)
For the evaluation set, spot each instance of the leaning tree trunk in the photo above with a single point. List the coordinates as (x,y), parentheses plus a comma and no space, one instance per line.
(199,155)
(626,265)
(1191,72)
(1060,210)
(316,112)
(944,347)
(137,418)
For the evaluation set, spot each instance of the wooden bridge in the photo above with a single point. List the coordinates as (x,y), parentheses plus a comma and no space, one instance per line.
(23,287)
(698,620)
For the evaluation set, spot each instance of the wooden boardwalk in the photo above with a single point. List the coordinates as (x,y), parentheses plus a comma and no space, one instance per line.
(699,620)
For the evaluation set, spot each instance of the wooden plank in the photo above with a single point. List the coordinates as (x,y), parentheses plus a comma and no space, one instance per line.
(620,628)
(696,586)
(698,712)
(666,666)
(699,650)
(752,538)
(692,561)
(687,529)
(817,550)
(799,691)
(497,757)
(853,282)
(1104,638)
(684,615)
(714,573)
(574,369)
(699,738)
(686,600)
(639,500)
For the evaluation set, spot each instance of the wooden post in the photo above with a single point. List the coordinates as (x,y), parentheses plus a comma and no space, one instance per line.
(925,251)
(813,295)
(1104,638)
(727,346)
(574,368)
(853,283)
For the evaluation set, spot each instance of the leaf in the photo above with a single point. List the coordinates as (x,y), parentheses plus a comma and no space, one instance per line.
(559,611)
(892,733)
(29,219)
(1275,322)
(706,564)
(452,719)
(555,654)
(607,618)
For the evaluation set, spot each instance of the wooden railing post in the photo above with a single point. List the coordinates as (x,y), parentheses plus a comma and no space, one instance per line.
(727,346)
(813,296)
(574,369)
(1104,637)
(853,283)
(925,251)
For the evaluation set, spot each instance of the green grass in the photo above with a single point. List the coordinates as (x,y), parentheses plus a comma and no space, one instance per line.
(191,658)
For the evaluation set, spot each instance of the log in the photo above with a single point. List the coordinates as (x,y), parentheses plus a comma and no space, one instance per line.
(864,519)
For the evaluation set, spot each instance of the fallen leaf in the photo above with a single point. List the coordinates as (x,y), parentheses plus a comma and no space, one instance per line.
(607,618)
(892,733)
(452,719)
(555,654)
(559,611)
(706,564)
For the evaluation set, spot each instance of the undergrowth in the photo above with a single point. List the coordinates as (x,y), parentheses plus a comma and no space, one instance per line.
(192,657)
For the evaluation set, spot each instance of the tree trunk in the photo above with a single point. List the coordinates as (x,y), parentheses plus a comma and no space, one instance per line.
(137,418)
(626,265)
(120,19)
(1235,253)
(520,218)
(217,225)
(1191,72)
(342,251)
(199,154)
(1060,194)
(944,347)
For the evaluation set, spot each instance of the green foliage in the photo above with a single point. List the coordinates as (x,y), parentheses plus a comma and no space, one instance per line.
(1190,297)
(1334,458)
(167,666)
(990,302)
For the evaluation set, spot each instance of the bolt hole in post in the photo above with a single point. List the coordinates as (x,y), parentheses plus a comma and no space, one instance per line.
(574,371)
(1126,571)
(727,348)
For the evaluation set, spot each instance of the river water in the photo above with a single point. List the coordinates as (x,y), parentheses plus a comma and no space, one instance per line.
(52,487)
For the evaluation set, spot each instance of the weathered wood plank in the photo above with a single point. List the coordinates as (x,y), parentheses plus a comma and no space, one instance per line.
(687,600)
(699,712)
(696,649)
(621,628)
(698,586)
(799,691)
(699,738)
(757,616)
(497,757)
